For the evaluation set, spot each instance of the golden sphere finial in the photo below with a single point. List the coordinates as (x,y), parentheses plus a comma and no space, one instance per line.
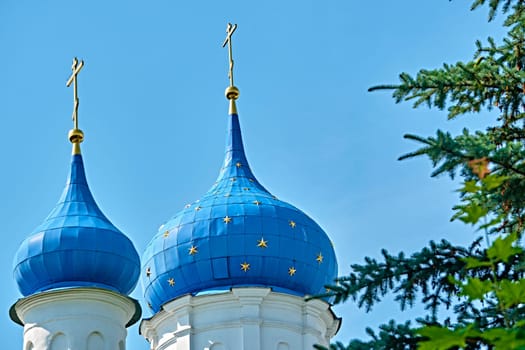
(232,93)
(75,136)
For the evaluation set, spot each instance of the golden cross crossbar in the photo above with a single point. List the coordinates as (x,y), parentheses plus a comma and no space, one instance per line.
(76,67)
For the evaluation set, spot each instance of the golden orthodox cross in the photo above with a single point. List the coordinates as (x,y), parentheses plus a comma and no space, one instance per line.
(76,67)
(229,31)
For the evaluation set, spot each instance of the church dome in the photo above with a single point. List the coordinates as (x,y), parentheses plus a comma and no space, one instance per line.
(76,245)
(237,234)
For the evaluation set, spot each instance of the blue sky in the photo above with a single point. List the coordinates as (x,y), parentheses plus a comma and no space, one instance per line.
(154,116)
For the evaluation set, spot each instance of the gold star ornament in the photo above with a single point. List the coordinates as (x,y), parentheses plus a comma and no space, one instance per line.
(256,202)
(171,282)
(245,266)
(238,165)
(227,219)
(166,234)
(292,271)
(262,243)
(292,224)
(319,258)
(193,250)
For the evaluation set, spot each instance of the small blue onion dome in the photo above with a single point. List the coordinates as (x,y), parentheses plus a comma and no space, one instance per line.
(237,234)
(76,245)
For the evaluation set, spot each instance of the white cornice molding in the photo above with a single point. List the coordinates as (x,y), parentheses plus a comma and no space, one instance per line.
(231,311)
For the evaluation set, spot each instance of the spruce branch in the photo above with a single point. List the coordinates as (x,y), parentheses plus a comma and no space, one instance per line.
(482,286)
(424,272)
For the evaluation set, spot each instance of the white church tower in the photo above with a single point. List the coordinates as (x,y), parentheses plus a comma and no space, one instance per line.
(76,270)
(231,271)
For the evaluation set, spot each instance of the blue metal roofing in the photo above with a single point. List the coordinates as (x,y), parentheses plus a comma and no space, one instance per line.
(76,246)
(237,234)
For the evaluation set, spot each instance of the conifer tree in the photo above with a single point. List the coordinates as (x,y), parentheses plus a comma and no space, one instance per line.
(482,284)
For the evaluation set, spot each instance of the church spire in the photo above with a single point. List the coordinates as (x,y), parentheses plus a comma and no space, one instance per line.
(235,165)
(232,92)
(76,136)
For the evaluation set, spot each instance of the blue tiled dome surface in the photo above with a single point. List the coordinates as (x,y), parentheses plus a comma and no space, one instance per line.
(76,246)
(208,244)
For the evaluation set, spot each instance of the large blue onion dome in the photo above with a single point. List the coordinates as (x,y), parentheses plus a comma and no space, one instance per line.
(237,234)
(76,245)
